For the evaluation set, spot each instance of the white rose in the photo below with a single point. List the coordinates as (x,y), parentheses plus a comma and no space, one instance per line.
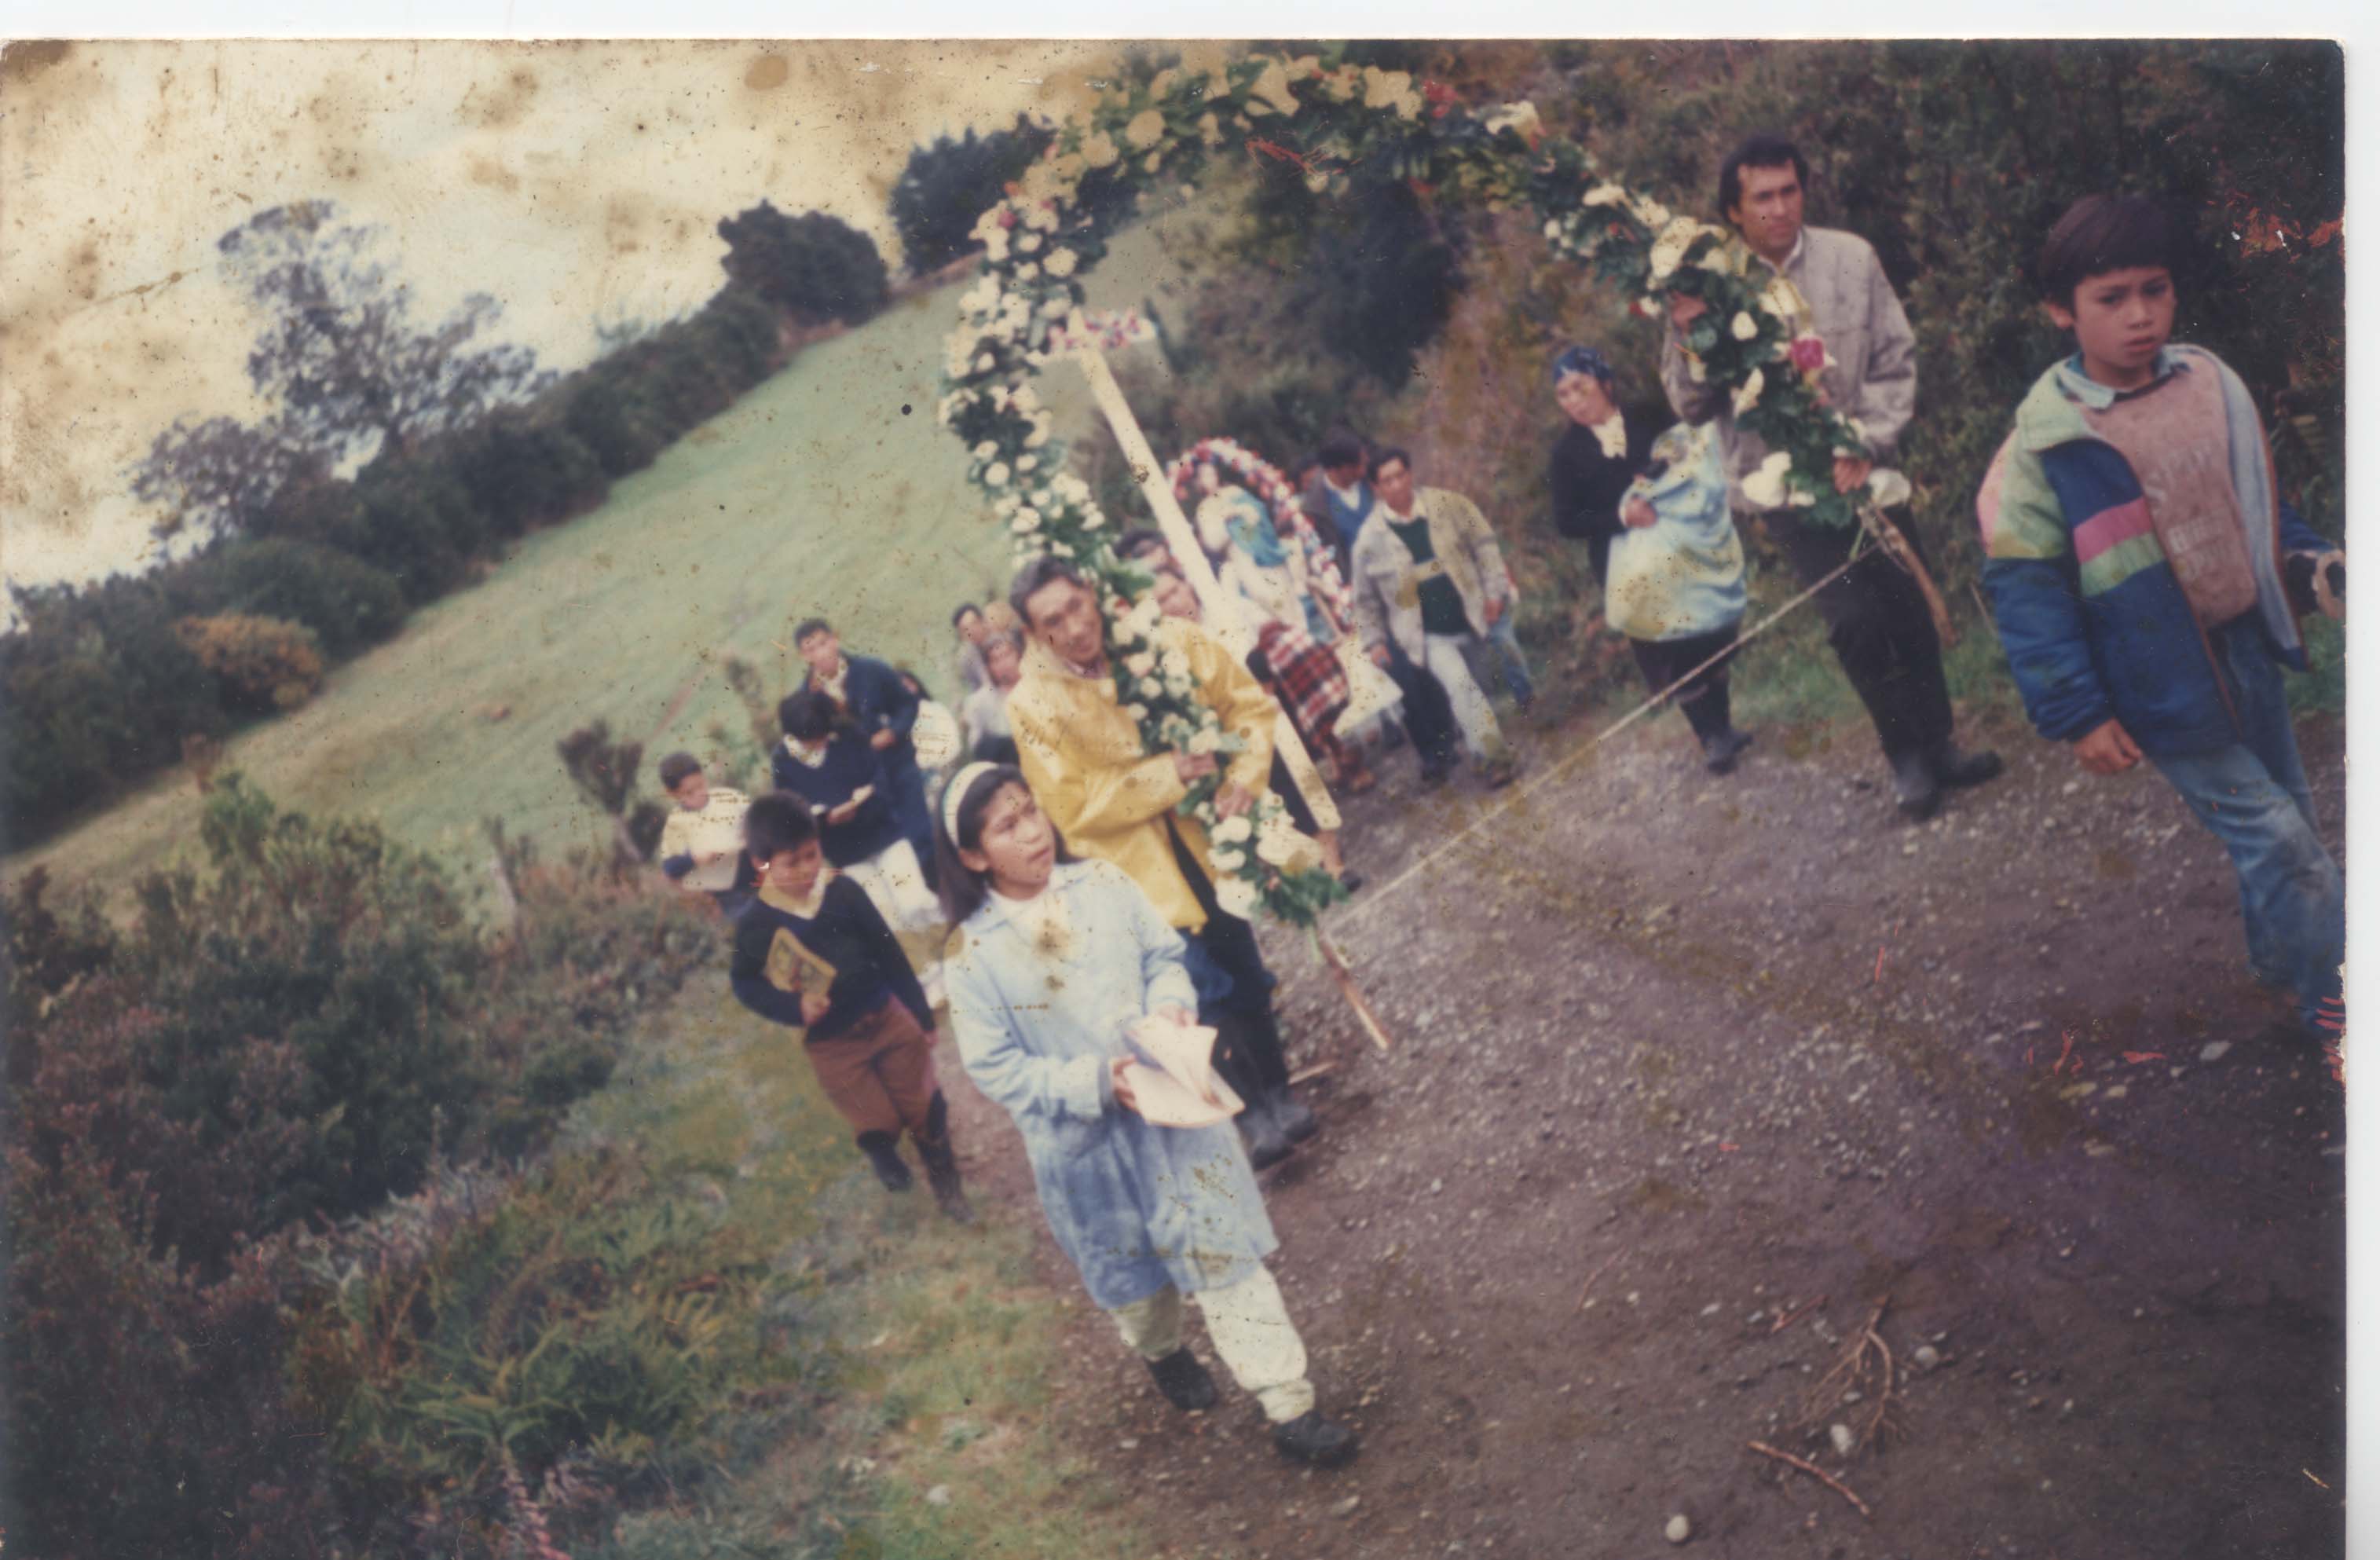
(1226,861)
(1099,152)
(1093,519)
(986,450)
(1137,711)
(1278,842)
(995,247)
(1269,93)
(1800,500)
(1140,665)
(996,474)
(1153,162)
(1604,195)
(1232,830)
(1517,116)
(1766,486)
(1204,741)
(1748,396)
(1061,261)
(1151,687)
(1553,228)
(1028,271)
(1026,462)
(1176,664)
(1237,896)
(1744,327)
(1695,369)
(983,362)
(1028,243)
(1146,128)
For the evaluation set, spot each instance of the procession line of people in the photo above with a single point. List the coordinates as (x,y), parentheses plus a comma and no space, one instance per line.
(2145,574)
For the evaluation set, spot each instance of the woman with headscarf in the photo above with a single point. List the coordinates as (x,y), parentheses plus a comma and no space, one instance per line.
(1653,511)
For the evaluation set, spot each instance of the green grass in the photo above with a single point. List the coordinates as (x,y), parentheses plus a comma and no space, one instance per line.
(942,1343)
(815,494)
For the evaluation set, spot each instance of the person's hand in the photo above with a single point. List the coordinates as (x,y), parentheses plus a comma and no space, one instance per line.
(1685,311)
(844,813)
(709,858)
(1124,1095)
(2106,749)
(885,738)
(814,1006)
(1194,767)
(1233,799)
(1495,610)
(1850,471)
(1636,513)
(1380,654)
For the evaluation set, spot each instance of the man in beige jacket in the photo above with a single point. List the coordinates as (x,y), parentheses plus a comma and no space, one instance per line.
(1429,575)
(1877,618)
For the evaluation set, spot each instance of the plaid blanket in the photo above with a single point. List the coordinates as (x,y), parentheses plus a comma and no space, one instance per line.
(1306,677)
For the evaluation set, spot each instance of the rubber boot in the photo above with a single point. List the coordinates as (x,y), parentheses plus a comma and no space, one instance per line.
(1313,1440)
(1183,1381)
(883,1151)
(942,1158)
(1296,1122)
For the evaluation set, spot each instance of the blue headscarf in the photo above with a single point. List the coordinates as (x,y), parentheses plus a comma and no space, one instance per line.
(1582,360)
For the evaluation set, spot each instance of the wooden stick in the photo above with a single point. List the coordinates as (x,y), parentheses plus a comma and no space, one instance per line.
(1598,1272)
(1797,1314)
(1896,546)
(1317,1070)
(1820,1474)
(1344,979)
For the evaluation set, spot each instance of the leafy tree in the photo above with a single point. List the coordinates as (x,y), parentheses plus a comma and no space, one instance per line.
(217,474)
(341,352)
(946,185)
(812,266)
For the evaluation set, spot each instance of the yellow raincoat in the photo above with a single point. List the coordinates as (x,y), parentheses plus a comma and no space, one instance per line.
(1081,754)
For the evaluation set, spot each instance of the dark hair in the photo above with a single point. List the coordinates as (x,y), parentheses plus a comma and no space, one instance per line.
(1384,455)
(810,625)
(1762,149)
(1339,449)
(956,617)
(1138,542)
(1040,572)
(2099,234)
(677,767)
(806,715)
(962,889)
(778,822)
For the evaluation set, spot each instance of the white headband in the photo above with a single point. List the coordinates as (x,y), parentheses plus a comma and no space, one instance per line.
(955,793)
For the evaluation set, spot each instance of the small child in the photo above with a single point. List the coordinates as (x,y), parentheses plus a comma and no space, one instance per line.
(702,848)
(812,953)
(832,766)
(1053,959)
(2140,562)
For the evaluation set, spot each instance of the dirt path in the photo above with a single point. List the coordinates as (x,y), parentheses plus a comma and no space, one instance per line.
(1728,1052)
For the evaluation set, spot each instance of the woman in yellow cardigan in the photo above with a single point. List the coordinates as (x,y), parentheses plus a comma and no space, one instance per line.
(1081,754)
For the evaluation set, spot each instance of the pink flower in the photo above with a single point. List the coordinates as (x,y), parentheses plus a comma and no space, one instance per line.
(1808,353)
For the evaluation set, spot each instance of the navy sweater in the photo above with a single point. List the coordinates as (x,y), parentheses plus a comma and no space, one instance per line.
(850,763)
(770,971)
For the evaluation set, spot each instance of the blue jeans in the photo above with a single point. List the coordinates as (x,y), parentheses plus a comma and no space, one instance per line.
(1506,647)
(2253,795)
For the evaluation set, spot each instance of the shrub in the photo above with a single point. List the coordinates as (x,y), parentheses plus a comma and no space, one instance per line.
(263,664)
(611,415)
(420,524)
(813,266)
(947,186)
(523,468)
(346,603)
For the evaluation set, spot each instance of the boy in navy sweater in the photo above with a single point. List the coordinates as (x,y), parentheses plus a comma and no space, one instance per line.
(869,696)
(2146,578)
(812,953)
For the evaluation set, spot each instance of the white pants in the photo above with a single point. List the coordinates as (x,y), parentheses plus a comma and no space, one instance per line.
(1250,1329)
(897,888)
(1444,657)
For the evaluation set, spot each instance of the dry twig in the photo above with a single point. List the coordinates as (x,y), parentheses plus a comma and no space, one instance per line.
(1797,1314)
(1865,1365)
(1598,1272)
(1815,1471)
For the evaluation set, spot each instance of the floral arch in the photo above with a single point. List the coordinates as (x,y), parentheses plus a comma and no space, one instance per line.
(1026,309)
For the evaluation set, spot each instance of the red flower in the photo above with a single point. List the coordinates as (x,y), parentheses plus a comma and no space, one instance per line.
(1007,218)
(1808,353)
(1439,96)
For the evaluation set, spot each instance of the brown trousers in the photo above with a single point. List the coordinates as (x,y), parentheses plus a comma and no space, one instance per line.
(879,1072)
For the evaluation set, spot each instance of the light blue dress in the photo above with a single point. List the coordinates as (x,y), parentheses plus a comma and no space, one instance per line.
(1136,1206)
(1682,575)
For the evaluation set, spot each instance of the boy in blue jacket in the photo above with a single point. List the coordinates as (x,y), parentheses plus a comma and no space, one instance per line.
(2146,578)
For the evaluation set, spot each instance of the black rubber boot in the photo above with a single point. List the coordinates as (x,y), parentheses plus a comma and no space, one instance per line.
(1313,1440)
(1914,786)
(943,1163)
(883,1151)
(1955,769)
(1296,1122)
(1722,748)
(1183,1381)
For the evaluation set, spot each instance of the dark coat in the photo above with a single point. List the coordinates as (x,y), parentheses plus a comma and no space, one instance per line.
(850,763)
(1588,485)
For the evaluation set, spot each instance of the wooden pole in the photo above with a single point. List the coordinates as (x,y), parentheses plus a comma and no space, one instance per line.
(1225,613)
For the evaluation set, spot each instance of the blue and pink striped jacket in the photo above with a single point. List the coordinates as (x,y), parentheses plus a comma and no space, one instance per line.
(2094,623)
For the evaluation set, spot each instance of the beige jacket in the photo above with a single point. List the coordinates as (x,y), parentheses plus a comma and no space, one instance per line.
(1873,379)
(1387,584)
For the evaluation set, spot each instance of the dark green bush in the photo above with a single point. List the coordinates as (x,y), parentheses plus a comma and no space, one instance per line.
(350,604)
(947,185)
(813,266)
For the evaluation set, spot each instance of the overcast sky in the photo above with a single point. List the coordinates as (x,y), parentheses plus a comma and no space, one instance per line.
(574,181)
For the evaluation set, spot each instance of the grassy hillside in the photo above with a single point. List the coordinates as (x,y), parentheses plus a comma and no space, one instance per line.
(815,494)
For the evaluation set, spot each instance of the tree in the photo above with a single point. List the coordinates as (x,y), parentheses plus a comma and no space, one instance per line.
(947,185)
(342,355)
(217,475)
(811,266)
